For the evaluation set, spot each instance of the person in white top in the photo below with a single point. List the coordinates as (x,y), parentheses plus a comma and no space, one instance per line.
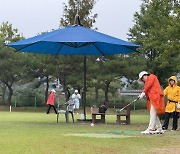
(76,97)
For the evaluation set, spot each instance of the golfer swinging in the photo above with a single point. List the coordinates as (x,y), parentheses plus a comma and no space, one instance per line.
(154,100)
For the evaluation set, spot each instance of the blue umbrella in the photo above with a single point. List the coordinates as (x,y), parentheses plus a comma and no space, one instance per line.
(75,40)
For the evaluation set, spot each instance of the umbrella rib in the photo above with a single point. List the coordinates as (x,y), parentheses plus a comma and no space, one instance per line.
(86,44)
(26,46)
(75,44)
(131,48)
(59,50)
(98,49)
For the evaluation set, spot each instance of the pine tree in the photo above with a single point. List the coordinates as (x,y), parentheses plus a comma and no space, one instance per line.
(155,31)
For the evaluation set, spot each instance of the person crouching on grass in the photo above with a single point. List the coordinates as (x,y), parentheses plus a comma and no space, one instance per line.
(172,91)
(50,101)
(154,101)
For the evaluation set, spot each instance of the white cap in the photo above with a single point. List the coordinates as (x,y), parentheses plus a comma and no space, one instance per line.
(141,74)
(52,90)
(76,91)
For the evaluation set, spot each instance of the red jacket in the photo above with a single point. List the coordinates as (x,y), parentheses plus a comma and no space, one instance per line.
(51,99)
(154,94)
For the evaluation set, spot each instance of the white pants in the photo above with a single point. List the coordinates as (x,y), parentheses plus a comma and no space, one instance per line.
(154,121)
(77,105)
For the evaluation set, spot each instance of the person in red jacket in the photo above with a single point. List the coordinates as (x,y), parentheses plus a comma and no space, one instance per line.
(50,101)
(155,101)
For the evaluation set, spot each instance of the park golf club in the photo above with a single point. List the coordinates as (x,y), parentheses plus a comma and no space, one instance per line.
(127,105)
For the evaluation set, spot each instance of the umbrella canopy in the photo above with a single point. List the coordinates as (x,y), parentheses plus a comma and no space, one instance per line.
(75,40)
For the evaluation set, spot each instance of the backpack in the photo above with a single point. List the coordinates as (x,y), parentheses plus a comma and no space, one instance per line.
(102,109)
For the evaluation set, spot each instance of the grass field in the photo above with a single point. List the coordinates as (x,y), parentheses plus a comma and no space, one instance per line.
(38,133)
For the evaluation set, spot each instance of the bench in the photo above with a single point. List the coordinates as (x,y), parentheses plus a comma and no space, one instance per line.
(119,115)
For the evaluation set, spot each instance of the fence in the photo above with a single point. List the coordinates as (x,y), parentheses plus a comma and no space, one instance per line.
(25,101)
(30,101)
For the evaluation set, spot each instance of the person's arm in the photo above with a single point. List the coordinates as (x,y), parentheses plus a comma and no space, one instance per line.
(165,91)
(149,83)
(179,95)
(141,95)
(79,96)
(73,96)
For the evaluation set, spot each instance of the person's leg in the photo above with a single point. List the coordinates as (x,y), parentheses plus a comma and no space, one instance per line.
(159,126)
(77,107)
(49,107)
(158,123)
(152,122)
(175,120)
(166,120)
(153,118)
(54,109)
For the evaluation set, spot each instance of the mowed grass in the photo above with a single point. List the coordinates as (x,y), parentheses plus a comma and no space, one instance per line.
(38,133)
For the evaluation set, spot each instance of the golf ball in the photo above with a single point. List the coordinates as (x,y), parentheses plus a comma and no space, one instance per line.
(92,124)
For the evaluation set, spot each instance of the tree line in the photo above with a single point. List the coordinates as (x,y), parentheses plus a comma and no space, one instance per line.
(156,29)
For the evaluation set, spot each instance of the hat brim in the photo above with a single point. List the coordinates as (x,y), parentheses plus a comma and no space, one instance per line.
(140,79)
(53,91)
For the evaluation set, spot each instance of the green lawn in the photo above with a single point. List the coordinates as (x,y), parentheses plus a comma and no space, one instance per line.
(28,132)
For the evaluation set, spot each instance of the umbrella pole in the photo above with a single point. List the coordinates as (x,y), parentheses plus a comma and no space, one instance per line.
(84,89)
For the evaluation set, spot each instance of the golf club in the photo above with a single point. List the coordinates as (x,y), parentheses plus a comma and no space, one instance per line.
(128,105)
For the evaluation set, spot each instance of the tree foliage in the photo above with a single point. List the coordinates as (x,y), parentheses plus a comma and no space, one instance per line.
(11,63)
(157,30)
(83,8)
(70,68)
(102,74)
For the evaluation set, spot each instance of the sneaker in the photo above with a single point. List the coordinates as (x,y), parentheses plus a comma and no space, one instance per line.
(148,131)
(173,129)
(163,128)
(159,131)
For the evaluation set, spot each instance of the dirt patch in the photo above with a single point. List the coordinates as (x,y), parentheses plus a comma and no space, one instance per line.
(100,135)
(168,150)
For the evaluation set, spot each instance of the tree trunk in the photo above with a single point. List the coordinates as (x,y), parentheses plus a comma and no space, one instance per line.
(79,89)
(65,88)
(68,93)
(3,93)
(96,95)
(10,92)
(9,96)
(106,91)
(47,87)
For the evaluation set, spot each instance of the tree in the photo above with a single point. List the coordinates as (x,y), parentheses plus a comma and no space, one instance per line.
(83,8)
(68,73)
(106,72)
(12,66)
(42,66)
(154,30)
(11,63)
